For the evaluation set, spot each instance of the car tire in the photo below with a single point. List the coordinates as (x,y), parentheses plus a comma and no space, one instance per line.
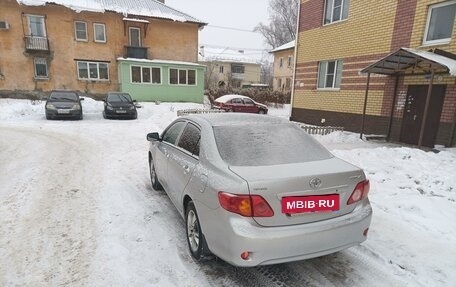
(135,116)
(262,112)
(153,176)
(195,238)
(230,111)
(104,115)
(48,117)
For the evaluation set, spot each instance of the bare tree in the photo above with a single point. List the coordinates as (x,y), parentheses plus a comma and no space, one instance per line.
(281,28)
(266,72)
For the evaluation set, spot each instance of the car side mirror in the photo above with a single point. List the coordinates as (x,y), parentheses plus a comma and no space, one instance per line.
(81,99)
(153,137)
(134,101)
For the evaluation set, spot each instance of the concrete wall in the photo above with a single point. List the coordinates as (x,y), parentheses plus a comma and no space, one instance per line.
(166,40)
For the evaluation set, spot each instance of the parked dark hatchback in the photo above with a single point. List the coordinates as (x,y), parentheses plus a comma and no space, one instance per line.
(63,105)
(119,106)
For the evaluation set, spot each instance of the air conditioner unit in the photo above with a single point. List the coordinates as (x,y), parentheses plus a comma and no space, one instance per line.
(4,25)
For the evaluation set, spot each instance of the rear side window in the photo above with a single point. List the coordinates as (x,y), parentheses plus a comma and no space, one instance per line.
(267,144)
(190,139)
(248,102)
(173,132)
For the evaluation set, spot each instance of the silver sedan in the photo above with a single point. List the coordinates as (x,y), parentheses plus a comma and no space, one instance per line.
(257,190)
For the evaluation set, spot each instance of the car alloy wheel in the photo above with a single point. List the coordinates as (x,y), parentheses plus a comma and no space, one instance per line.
(261,112)
(195,239)
(153,176)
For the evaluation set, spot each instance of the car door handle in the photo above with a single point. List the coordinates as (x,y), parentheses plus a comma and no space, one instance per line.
(186,169)
(167,155)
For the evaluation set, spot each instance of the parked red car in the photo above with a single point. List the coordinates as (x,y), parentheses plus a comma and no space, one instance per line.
(240,104)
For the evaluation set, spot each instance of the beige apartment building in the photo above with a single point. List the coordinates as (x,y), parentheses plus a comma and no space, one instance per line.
(283,67)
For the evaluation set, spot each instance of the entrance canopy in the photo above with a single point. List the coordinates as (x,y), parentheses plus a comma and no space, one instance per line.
(419,62)
(407,60)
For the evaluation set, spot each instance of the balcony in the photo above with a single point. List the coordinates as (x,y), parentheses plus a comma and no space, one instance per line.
(36,44)
(238,76)
(136,52)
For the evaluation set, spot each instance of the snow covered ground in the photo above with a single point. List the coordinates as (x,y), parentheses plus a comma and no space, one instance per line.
(77,208)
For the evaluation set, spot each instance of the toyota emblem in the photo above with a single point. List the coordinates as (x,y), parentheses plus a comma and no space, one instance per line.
(315,183)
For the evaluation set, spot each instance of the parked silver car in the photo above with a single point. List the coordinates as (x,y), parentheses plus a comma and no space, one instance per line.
(256,190)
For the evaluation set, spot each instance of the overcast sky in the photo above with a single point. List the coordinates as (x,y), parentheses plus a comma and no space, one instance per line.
(238,14)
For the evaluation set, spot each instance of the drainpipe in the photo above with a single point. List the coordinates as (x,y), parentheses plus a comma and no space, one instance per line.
(426,109)
(295,60)
(365,106)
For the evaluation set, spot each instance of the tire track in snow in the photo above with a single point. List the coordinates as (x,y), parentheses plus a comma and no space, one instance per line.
(48,211)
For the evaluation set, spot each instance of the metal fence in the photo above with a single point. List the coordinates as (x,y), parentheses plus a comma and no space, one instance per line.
(317,130)
(198,111)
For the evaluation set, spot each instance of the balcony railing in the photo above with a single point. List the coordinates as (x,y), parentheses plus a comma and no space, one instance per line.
(136,52)
(34,43)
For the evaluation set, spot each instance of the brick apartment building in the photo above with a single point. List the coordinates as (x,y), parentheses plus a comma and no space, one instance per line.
(338,39)
(143,47)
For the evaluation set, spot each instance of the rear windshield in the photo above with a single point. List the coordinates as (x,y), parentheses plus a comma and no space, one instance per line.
(267,144)
(64,96)
(119,98)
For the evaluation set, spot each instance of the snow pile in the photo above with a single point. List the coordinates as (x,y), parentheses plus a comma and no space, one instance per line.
(413,194)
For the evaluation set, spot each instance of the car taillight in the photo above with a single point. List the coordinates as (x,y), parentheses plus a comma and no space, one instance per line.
(245,205)
(360,192)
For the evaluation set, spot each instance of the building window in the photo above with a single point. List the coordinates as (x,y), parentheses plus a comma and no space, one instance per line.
(36,26)
(439,26)
(41,71)
(93,71)
(99,33)
(336,10)
(290,61)
(237,69)
(288,83)
(279,83)
(221,69)
(80,31)
(135,36)
(330,74)
(145,75)
(182,77)
(281,62)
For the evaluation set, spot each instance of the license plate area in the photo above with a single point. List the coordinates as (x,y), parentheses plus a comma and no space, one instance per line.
(63,111)
(311,203)
(121,111)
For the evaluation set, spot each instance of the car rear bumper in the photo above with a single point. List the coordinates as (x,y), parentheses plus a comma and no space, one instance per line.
(272,245)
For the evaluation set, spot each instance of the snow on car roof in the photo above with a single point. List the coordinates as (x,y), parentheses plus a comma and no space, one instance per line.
(226,98)
(230,119)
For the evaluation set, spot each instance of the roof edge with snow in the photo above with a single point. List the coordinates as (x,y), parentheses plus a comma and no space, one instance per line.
(287,46)
(145,8)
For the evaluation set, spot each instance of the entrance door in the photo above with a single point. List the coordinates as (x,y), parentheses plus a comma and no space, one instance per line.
(135,37)
(414,113)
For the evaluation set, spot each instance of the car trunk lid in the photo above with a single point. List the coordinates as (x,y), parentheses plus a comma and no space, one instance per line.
(276,182)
